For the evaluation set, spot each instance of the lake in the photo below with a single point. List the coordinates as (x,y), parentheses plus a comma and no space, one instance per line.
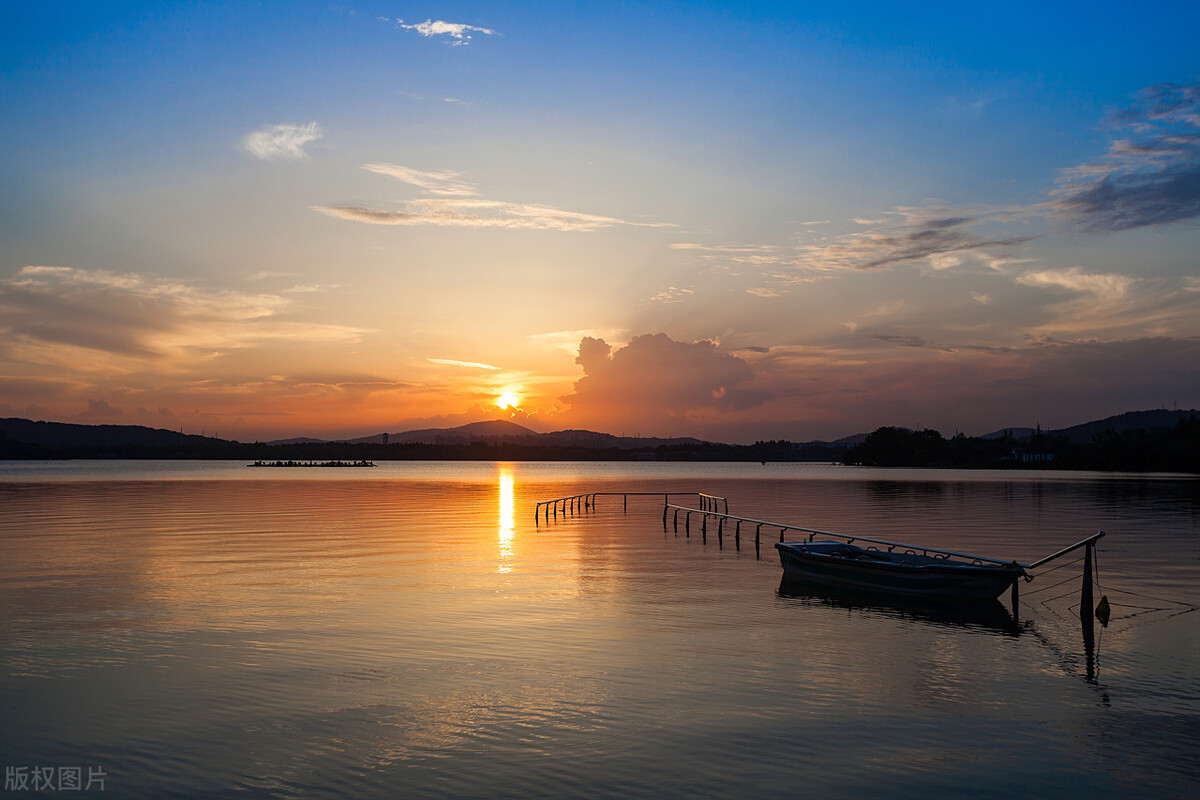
(200,629)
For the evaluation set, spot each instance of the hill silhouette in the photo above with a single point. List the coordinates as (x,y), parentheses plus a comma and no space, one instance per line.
(1139,440)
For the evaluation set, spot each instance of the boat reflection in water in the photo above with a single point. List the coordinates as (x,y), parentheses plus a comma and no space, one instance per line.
(986,613)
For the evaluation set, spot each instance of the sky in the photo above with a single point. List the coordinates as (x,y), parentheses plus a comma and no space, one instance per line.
(734,221)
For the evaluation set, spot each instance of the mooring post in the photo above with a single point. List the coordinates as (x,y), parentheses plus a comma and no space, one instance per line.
(687,525)
(704,528)
(757,538)
(721,532)
(1085,597)
(781,532)
(737,536)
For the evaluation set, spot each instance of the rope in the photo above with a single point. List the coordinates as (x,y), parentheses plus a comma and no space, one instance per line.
(1156,599)
(1052,586)
(1063,565)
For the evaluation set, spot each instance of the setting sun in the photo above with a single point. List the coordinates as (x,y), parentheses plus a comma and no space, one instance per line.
(509,399)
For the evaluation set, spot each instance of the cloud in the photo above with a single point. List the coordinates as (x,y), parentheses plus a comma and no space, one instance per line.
(445,183)
(480,214)
(458,32)
(458,205)
(655,379)
(1105,288)
(569,340)
(52,314)
(939,237)
(101,411)
(1152,177)
(449,362)
(672,294)
(281,142)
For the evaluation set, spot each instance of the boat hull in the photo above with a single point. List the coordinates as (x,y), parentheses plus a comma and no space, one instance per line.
(914,575)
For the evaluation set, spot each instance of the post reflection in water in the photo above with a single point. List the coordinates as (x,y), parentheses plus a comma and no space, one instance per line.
(505,532)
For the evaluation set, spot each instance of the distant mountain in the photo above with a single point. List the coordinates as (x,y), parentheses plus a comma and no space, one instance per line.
(1016,433)
(67,434)
(1129,421)
(98,437)
(471,432)
(512,433)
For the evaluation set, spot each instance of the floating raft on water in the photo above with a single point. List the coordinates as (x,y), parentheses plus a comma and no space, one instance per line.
(359,463)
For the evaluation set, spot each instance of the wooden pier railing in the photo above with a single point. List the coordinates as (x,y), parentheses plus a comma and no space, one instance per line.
(711,506)
(580,503)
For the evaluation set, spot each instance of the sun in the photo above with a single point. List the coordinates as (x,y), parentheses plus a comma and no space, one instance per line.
(509,399)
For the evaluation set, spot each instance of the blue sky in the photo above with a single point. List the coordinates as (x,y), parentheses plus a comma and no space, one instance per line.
(781,220)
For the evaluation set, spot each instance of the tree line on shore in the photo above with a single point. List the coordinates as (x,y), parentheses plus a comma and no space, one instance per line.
(1159,449)
(1175,449)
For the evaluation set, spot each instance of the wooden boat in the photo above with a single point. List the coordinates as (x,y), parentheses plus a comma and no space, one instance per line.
(927,573)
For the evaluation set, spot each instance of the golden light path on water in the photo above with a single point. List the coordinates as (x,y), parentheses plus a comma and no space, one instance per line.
(506,518)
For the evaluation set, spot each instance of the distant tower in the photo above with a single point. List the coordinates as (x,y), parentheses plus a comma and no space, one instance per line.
(385,438)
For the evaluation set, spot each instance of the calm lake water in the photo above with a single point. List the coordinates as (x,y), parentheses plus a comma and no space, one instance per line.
(183,629)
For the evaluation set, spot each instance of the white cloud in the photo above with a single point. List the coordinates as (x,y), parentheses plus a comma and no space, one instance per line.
(446,182)
(278,142)
(1103,287)
(450,362)
(458,205)
(458,31)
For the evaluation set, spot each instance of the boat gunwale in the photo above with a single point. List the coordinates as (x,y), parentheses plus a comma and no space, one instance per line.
(932,563)
(850,538)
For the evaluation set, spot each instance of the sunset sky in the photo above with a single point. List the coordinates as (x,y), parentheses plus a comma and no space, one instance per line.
(734,221)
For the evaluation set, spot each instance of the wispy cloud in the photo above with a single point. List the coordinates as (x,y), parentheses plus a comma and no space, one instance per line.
(458,33)
(51,314)
(672,294)
(281,142)
(569,340)
(450,362)
(938,237)
(1102,287)
(445,183)
(1151,177)
(458,205)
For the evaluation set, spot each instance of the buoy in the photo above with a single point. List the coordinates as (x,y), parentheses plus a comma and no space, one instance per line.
(1103,611)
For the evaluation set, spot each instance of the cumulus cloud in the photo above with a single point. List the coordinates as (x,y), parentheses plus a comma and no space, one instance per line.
(457,32)
(654,379)
(1150,177)
(281,142)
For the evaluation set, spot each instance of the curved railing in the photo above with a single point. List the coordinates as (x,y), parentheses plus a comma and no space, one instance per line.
(580,503)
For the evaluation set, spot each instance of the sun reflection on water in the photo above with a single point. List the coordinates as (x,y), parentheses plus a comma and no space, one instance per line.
(505,533)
